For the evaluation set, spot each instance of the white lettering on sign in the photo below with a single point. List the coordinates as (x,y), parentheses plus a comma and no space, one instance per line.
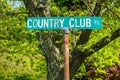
(45,23)
(28,22)
(62,22)
(39,24)
(50,22)
(56,21)
(88,22)
(35,23)
(59,23)
(80,22)
(71,22)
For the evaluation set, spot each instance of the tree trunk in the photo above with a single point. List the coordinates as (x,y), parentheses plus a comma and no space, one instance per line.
(54,58)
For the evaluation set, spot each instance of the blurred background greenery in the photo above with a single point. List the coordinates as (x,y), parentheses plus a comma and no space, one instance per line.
(21,58)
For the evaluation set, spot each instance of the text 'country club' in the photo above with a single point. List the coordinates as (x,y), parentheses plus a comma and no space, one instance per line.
(40,23)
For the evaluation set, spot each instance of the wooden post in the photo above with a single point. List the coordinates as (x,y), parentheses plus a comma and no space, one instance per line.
(66,54)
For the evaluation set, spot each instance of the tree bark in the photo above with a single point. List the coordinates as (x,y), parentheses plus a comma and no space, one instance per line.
(53,56)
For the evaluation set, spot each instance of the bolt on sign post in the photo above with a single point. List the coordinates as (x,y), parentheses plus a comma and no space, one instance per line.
(57,23)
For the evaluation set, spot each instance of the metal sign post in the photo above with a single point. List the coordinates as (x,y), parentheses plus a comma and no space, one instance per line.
(66,54)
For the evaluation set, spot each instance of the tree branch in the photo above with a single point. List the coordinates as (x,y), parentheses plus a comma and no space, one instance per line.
(112,12)
(84,37)
(104,10)
(103,42)
(97,46)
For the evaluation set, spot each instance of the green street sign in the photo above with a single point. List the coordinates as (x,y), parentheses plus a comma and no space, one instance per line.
(56,23)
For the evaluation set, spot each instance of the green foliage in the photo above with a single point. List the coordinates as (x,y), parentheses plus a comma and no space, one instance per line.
(20,57)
